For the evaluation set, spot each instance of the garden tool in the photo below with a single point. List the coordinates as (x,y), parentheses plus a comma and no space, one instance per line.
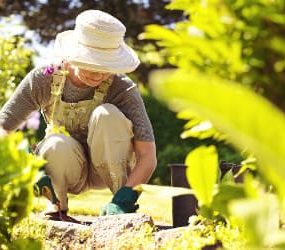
(43,187)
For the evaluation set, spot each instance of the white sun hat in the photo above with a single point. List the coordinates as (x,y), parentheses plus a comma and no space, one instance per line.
(96,44)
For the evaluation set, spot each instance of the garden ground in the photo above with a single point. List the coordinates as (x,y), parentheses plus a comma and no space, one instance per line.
(154,201)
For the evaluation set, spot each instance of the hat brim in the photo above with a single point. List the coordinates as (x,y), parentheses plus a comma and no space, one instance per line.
(120,60)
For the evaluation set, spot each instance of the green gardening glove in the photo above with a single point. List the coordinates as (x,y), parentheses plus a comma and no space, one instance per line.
(44,187)
(123,202)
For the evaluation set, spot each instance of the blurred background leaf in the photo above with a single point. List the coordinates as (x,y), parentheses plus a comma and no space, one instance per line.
(202,168)
(246,127)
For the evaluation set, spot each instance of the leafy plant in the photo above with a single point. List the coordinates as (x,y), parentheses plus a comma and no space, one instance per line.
(217,50)
(235,40)
(239,41)
(216,99)
(18,170)
(203,233)
(202,173)
(171,148)
(15,60)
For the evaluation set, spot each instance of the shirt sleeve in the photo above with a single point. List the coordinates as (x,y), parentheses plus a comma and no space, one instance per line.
(30,95)
(125,95)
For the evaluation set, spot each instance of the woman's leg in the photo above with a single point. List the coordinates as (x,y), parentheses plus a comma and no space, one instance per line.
(66,166)
(110,145)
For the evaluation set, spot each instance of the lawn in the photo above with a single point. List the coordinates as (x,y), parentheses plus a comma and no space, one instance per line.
(155,201)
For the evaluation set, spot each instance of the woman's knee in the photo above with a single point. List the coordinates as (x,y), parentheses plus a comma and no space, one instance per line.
(58,146)
(66,161)
(105,112)
(107,116)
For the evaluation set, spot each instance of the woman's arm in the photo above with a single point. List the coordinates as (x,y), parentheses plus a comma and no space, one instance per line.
(28,97)
(124,200)
(125,95)
(145,163)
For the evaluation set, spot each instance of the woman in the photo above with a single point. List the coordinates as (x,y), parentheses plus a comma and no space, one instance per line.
(110,141)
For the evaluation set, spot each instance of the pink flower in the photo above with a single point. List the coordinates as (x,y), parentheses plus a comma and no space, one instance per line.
(32,122)
(48,70)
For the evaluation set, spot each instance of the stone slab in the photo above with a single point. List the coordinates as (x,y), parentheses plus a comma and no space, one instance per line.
(102,233)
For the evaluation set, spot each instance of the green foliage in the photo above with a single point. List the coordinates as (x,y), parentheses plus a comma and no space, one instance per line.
(222,49)
(15,60)
(30,227)
(260,218)
(23,244)
(203,233)
(200,233)
(225,194)
(200,43)
(17,175)
(202,173)
(249,205)
(212,192)
(171,148)
(17,167)
(217,98)
(236,40)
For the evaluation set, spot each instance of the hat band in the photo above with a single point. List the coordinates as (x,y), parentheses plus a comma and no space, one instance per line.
(89,37)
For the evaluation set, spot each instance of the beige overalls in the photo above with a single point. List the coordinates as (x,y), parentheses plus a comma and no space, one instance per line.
(75,164)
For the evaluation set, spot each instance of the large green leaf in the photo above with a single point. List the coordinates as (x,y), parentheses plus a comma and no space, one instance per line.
(202,170)
(260,219)
(225,194)
(249,121)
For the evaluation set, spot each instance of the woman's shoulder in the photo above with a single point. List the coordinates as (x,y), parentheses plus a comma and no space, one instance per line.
(122,81)
(122,88)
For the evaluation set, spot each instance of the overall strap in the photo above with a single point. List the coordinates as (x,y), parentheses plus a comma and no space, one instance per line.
(57,85)
(101,91)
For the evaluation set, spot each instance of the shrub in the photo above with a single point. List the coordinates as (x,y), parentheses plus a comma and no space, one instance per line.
(18,170)
(15,61)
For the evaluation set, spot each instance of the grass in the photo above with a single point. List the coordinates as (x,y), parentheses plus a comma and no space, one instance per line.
(154,201)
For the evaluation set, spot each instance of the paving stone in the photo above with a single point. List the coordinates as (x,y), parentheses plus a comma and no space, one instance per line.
(163,236)
(102,233)
(107,229)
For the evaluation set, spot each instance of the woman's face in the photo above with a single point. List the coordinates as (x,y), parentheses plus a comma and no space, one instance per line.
(90,78)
